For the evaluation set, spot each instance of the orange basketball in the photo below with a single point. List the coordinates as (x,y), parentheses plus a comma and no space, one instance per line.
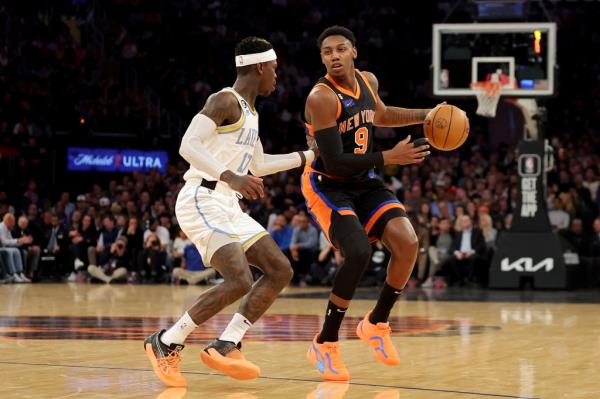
(446,127)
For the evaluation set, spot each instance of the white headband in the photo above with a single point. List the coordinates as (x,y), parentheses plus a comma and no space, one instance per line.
(249,59)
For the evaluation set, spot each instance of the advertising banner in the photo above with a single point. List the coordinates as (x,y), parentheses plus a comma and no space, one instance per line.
(115,160)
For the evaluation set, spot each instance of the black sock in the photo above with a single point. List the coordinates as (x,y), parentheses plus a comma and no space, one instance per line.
(333,321)
(385,303)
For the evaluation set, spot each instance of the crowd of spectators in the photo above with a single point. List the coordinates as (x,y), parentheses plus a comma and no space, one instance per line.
(54,77)
(459,204)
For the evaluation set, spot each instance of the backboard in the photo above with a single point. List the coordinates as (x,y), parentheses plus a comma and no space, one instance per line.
(523,53)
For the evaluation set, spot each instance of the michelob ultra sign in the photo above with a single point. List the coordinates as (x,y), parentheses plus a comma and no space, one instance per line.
(115,160)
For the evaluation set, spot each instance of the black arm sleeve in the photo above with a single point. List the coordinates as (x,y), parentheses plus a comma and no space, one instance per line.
(339,163)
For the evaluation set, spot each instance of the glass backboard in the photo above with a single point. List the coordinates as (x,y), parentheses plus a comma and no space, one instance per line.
(523,54)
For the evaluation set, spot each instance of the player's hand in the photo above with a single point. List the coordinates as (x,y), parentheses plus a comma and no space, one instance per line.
(405,153)
(250,187)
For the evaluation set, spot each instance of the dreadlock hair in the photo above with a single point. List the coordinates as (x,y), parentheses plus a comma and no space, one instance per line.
(334,31)
(251,45)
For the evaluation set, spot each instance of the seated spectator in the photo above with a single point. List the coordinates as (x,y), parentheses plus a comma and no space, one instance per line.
(161,232)
(121,225)
(490,235)
(377,270)
(152,260)
(303,247)
(467,250)
(192,268)
(328,261)
(55,243)
(3,270)
(29,252)
(489,232)
(439,251)
(423,255)
(9,250)
(179,245)
(115,268)
(594,246)
(106,238)
(135,237)
(82,237)
(559,219)
(573,238)
(282,234)
(35,224)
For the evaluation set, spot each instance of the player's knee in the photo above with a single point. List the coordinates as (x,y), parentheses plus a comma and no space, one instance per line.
(285,273)
(281,271)
(242,284)
(410,243)
(277,267)
(403,241)
(358,252)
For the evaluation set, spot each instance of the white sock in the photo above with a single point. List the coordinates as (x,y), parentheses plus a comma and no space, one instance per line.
(179,331)
(236,329)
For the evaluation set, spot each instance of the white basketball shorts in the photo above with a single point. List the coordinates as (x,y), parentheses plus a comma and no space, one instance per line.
(202,212)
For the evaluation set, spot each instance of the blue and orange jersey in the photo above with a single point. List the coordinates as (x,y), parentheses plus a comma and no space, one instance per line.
(355,115)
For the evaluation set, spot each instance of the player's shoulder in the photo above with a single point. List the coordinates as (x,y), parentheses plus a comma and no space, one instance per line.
(320,96)
(371,78)
(223,99)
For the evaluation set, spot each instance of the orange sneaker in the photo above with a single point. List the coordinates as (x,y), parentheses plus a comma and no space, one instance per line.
(378,338)
(226,357)
(389,394)
(326,357)
(165,360)
(330,390)
(172,393)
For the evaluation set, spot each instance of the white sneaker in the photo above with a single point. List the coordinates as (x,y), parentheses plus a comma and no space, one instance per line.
(17,279)
(78,264)
(24,278)
(428,283)
(72,277)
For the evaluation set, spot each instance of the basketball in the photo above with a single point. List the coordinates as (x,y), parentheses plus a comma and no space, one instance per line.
(446,127)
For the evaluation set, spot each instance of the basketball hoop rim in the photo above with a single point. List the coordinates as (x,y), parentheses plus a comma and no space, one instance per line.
(490,88)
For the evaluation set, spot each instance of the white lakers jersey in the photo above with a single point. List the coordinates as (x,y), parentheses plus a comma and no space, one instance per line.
(232,145)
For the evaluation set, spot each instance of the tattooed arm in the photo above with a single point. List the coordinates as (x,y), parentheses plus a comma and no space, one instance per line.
(393,116)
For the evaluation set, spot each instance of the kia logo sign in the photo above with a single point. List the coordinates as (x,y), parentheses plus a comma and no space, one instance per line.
(526,265)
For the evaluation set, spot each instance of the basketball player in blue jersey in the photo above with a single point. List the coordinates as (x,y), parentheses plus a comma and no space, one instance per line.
(351,207)
(221,145)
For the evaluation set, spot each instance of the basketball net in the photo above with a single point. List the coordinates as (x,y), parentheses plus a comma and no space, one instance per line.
(488,93)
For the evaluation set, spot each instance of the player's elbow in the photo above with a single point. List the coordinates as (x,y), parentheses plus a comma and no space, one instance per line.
(257,171)
(185,148)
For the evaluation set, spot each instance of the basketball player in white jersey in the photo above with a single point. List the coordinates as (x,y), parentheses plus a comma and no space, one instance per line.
(222,144)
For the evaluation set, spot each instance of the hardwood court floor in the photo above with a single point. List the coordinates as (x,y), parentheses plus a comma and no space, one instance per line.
(70,341)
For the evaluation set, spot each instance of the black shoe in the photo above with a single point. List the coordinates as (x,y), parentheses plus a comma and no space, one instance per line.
(227,358)
(223,347)
(165,360)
